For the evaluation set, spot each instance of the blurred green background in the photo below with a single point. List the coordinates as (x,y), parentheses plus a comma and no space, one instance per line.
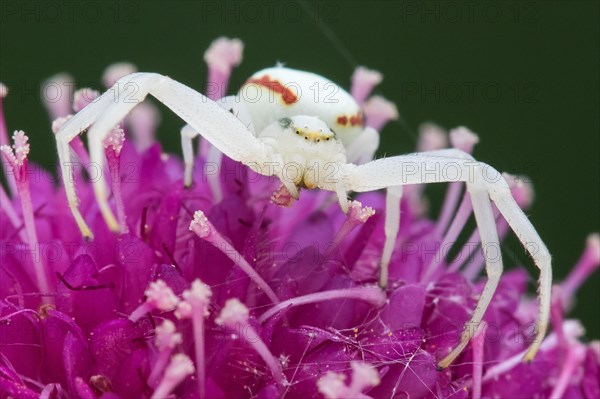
(523,75)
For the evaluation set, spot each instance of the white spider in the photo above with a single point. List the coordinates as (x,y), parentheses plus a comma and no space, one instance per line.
(311,139)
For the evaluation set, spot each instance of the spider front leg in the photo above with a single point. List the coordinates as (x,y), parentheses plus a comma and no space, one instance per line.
(221,128)
(484,183)
(71,129)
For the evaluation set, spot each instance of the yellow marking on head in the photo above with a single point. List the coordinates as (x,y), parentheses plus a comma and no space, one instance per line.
(315,136)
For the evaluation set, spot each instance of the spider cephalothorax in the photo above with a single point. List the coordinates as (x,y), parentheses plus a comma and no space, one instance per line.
(309,152)
(287,130)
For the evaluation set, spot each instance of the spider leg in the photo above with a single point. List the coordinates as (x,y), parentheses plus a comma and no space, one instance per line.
(66,168)
(490,243)
(392,215)
(529,237)
(235,106)
(187,135)
(129,93)
(217,125)
(68,132)
(214,157)
(231,104)
(484,183)
(391,227)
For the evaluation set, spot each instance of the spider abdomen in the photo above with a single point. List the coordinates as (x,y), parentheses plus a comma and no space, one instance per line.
(278,92)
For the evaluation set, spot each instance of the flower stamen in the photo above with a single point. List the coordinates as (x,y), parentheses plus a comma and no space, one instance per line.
(431,138)
(76,144)
(478,353)
(3,130)
(234,316)
(379,111)
(371,294)
(83,97)
(178,369)
(460,219)
(116,71)
(357,215)
(332,385)
(158,296)
(522,191)
(167,338)
(4,140)
(587,264)
(143,121)
(16,156)
(195,306)
(113,145)
(572,330)
(57,92)
(221,57)
(363,82)
(462,139)
(557,316)
(11,214)
(204,229)
(575,356)
(282,197)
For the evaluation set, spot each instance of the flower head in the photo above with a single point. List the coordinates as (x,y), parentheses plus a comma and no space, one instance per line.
(363,82)
(161,296)
(116,71)
(234,312)
(83,97)
(166,337)
(249,298)
(17,154)
(333,386)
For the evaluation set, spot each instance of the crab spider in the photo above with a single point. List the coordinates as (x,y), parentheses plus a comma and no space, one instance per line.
(311,140)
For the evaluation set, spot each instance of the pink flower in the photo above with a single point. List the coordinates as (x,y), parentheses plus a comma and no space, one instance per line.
(240,297)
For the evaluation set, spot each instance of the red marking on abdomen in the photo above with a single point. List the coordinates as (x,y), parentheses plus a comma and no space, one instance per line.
(356,119)
(287,95)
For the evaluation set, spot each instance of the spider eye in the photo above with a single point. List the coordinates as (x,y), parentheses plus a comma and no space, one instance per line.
(297,131)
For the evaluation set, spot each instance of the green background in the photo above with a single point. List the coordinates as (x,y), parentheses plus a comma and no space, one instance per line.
(533,67)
